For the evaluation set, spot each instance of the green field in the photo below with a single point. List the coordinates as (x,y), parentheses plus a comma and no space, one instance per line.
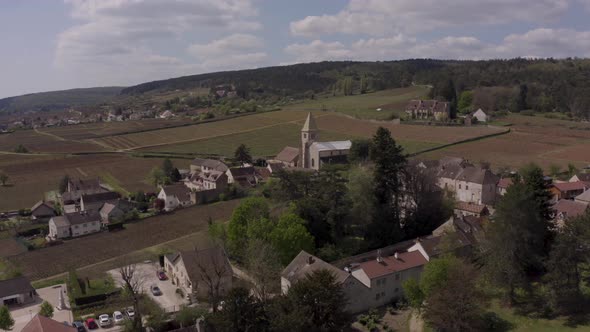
(391,102)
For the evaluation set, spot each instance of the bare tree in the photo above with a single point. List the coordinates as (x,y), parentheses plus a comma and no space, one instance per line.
(263,264)
(214,269)
(133,286)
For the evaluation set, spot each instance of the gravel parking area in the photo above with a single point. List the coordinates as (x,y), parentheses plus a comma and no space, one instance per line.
(169,300)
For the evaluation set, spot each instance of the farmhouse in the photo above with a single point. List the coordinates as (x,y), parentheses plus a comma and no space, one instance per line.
(176,195)
(566,209)
(428,109)
(503,185)
(78,187)
(244,176)
(42,211)
(96,201)
(195,271)
(472,184)
(568,190)
(16,291)
(368,283)
(113,211)
(74,224)
(207,180)
(205,165)
(288,157)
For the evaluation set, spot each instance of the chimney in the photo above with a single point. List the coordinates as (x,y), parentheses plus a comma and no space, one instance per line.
(379,258)
(310,260)
(396,255)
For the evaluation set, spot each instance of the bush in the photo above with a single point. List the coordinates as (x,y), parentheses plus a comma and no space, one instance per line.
(180,293)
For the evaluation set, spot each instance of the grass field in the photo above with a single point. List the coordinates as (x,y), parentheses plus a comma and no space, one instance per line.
(30,176)
(391,102)
(533,139)
(105,247)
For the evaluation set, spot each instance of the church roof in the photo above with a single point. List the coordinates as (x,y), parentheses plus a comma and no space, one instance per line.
(334,145)
(309,123)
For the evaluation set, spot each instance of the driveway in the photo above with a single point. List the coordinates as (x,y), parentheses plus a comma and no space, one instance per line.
(169,300)
(23,314)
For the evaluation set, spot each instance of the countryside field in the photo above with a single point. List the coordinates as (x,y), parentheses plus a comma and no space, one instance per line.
(32,175)
(100,247)
(532,139)
(364,106)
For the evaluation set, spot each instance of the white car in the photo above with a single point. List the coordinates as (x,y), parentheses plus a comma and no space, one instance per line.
(118,318)
(130,312)
(104,320)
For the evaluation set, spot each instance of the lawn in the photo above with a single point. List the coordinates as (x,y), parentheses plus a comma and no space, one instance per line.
(522,323)
(364,106)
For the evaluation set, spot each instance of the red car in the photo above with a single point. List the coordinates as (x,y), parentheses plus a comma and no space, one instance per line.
(162,275)
(91,324)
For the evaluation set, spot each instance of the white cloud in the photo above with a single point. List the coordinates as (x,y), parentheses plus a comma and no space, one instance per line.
(386,17)
(124,41)
(233,51)
(534,43)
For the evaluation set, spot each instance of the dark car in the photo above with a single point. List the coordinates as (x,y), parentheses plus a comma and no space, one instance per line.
(155,290)
(162,275)
(91,324)
(79,326)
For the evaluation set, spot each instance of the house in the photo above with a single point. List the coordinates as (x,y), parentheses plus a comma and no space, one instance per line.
(367,283)
(17,291)
(74,224)
(205,165)
(274,166)
(96,201)
(583,198)
(194,271)
(566,209)
(42,211)
(43,324)
(167,114)
(568,190)
(428,109)
(469,231)
(114,211)
(244,176)
(473,184)
(480,115)
(471,209)
(207,180)
(288,157)
(78,187)
(176,195)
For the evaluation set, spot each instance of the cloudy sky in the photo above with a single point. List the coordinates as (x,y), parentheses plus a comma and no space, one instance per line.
(56,44)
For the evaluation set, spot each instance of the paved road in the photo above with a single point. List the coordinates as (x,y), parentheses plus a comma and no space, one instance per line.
(22,315)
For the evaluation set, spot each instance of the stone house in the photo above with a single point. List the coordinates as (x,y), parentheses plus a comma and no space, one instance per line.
(473,184)
(428,109)
(114,211)
(244,176)
(74,224)
(503,185)
(96,201)
(288,157)
(471,209)
(16,291)
(206,165)
(195,271)
(207,180)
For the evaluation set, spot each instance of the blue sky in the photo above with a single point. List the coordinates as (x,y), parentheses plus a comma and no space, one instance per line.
(59,44)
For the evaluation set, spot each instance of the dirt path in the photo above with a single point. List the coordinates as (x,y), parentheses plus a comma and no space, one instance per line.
(50,135)
(214,136)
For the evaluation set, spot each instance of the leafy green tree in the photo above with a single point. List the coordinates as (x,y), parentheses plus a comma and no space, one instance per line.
(260,229)
(158,177)
(319,298)
(520,103)
(413,293)
(6,321)
(515,240)
(465,101)
(571,169)
(364,84)
(242,154)
(63,184)
(388,175)
(187,316)
(360,194)
(264,266)
(241,313)
(170,172)
(359,150)
(21,149)
(46,309)
(250,210)
(533,178)
(3,178)
(290,237)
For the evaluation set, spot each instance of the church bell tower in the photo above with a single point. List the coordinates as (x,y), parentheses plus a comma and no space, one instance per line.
(309,134)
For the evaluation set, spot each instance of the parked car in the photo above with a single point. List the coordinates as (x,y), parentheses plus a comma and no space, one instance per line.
(118,318)
(155,290)
(91,324)
(104,320)
(162,275)
(79,326)
(130,312)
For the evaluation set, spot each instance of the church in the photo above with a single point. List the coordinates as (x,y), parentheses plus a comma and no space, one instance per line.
(313,154)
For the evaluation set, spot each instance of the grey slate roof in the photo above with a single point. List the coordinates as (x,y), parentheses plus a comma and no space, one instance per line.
(61,221)
(305,263)
(83,217)
(18,285)
(210,163)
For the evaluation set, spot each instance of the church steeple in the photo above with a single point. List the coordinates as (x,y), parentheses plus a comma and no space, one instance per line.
(309,133)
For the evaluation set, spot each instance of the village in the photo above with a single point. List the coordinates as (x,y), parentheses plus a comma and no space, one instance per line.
(185,281)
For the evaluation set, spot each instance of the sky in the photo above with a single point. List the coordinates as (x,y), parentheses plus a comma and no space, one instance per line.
(60,44)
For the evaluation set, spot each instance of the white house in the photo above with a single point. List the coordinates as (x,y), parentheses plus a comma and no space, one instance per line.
(74,224)
(480,115)
(175,195)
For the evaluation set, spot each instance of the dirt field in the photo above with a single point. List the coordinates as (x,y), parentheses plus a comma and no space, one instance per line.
(38,142)
(96,248)
(30,175)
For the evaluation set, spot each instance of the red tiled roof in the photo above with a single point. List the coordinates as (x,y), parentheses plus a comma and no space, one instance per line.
(288,154)
(570,186)
(470,207)
(405,261)
(570,209)
(43,324)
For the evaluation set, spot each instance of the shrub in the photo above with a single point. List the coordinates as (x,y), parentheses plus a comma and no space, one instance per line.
(180,293)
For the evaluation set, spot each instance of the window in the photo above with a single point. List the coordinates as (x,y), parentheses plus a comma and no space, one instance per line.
(459,186)
(397,276)
(377,296)
(312,162)
(466,187)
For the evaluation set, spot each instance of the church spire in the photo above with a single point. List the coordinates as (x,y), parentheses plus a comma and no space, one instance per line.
(309,123)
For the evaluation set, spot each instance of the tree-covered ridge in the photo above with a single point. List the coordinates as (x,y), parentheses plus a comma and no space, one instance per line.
(59,100)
